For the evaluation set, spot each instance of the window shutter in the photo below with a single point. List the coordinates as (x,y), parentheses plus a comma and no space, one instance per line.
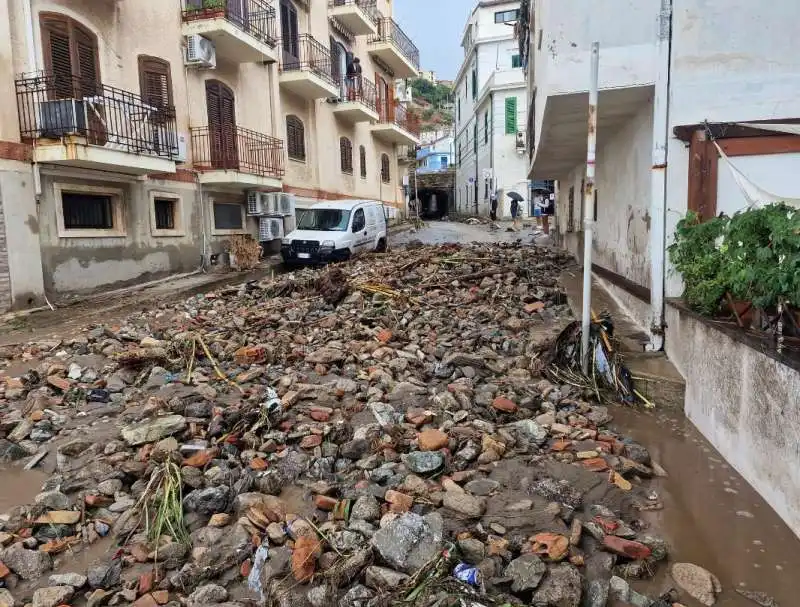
(346,152)
(87,59)
(362,153)
(295,138)
(57,53)
(511,115)
(155,82)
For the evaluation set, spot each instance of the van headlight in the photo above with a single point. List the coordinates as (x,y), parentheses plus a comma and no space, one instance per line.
(286,241)
(328,244)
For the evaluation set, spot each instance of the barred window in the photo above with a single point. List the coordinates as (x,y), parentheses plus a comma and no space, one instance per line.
(346,152)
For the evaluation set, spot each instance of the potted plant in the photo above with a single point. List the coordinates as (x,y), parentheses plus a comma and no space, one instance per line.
(208,8)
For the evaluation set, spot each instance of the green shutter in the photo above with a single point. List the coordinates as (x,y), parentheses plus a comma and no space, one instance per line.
(515,62)
(511,115)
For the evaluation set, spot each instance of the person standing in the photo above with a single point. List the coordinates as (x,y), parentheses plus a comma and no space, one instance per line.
(515,213)
(493,211)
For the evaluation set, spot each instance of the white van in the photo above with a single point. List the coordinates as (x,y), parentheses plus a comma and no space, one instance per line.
(334,231)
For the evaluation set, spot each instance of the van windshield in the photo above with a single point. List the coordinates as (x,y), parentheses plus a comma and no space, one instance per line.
(324,220)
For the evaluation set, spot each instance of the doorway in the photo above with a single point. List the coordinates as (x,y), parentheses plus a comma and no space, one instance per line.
(221,106)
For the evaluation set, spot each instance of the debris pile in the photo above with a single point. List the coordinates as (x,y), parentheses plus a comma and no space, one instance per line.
(377,433)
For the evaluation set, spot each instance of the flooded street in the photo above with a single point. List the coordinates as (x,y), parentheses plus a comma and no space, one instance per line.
(711,515)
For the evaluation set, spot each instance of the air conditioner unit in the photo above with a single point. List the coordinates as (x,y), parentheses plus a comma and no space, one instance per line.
(521,140)
(180,150)
(270,228)
(200,52)
(62,117)
(257,203)
(286,204)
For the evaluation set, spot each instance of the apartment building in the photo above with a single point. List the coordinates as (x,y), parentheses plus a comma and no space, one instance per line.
(680,83)
(131,133)
(490,111)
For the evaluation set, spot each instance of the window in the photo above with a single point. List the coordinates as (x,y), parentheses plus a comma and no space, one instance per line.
(295,138)
(475,136)
(475,83)
(506,16)
(70,55)
(359,220)
(515,61)
(458,110)
(346,152)
(88,211)
(571,210)
(595,205)
(155,81)
(362,160)
(165,215)
(459,152)
(221,110)
(444,160)
(486,127)
(386,175)
(511,115)
(290,32)
(228,217)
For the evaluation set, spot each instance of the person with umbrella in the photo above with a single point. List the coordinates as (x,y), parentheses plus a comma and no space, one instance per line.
(515,200)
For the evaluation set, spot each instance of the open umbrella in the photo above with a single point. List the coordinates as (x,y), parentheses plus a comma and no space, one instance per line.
(515,196)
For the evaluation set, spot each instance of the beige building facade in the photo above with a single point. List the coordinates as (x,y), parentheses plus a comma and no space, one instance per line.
(132,133)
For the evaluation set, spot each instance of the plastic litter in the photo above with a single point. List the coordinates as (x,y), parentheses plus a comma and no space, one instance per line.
(254,579)
(467,573)
(272,405)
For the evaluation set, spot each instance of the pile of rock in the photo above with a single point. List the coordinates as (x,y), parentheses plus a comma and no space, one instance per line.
(272,443)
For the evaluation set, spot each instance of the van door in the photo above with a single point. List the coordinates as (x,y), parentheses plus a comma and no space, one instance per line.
(361,239)
(372,226)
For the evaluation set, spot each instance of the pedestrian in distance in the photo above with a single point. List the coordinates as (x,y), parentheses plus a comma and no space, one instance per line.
(515,213)
(493,211)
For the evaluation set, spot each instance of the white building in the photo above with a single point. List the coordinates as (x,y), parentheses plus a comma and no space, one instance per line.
(676,75)
(490,112)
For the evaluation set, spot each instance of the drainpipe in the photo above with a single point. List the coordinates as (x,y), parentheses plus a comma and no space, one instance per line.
(492,178)
(658,209)
(30,47)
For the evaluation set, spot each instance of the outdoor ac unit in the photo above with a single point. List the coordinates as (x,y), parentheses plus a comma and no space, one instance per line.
(181,149)
(286,204)
(270,228)
(257,203)
(271,203)
(62,117)
(200,52)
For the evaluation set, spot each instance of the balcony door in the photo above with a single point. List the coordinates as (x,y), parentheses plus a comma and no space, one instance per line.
(384,98)
(238,13)
(290,34)
(221,106)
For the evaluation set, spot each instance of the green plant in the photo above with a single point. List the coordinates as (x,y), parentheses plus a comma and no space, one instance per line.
(214,4)
(698,255)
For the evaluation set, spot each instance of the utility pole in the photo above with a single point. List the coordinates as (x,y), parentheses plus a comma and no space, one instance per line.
(588,208)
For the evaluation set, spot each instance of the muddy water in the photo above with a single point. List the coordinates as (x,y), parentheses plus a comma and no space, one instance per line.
(19,487)
(711,515)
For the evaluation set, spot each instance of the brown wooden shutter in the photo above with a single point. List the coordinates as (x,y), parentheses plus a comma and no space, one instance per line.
(155,82)
(221,106)
(86,58)
(295,138)
(57,53)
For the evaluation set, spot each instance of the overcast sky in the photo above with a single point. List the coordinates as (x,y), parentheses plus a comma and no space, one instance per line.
(435,26)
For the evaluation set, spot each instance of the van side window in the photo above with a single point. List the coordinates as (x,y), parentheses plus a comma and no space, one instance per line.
(359,221)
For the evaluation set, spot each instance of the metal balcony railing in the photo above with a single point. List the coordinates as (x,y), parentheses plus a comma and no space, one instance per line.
(370,7)
(254,17)
(396,113)
(389,31)
(53,107)
(233,148)
(362,90)
(307,54)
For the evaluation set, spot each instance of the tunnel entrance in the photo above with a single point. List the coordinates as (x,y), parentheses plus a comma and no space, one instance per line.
(435,203)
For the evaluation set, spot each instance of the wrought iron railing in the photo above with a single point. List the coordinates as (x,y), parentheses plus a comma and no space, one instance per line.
(307,54)
(358,88)
(396,113)
(233,148)
(254,17)
(370,7)
(54,107)
(389,31)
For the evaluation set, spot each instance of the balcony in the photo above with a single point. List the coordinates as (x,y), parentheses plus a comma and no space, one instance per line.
(358,16)
(358,101)
(235,158)
(391,45)
(407,154)
(86,124)
(243,31)
(307,68)
(397,125)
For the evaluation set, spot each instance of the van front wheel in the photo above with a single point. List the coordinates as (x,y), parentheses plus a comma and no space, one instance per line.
(381,248)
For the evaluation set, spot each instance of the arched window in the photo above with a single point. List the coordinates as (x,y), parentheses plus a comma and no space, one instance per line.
(346,152)
(295,138)
(362,156)
(386,175)
(70,55)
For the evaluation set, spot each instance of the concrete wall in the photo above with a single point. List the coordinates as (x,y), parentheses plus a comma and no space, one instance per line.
(745,404)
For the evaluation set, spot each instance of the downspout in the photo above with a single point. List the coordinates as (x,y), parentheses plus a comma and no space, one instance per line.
(30,47)
(492,178)
(658,210)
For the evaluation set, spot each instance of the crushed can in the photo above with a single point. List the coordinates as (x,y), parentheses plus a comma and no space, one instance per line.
(467,574)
